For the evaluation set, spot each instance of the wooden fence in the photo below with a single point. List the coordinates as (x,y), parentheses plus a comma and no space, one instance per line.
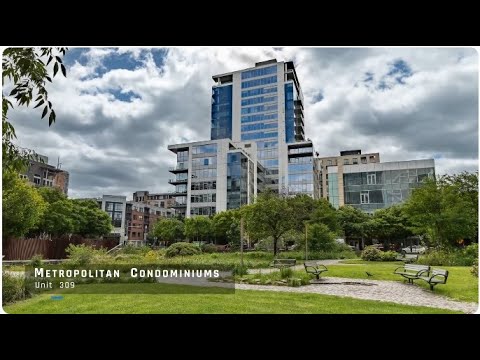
(24,249)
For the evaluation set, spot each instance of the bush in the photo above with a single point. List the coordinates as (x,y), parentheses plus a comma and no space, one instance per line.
(388,256)
(286,273)
(13,288)
(474,270)
(294,282)
(371,253)
(453,257)
(80,254)
(151,256)
(240,270)
(130,249)
(209,248)
(182,249)
(36,261)
(320,238)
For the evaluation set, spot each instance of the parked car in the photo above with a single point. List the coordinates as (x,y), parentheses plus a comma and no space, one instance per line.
(414,249)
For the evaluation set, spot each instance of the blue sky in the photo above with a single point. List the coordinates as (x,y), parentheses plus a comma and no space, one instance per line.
(119,108)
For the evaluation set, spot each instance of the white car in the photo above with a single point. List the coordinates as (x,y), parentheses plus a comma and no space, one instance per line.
(414,249)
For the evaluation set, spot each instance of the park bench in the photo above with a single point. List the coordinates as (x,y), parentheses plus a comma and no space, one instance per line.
(283,263)
(315,268)
(412,272)
(407,258)
(437,276)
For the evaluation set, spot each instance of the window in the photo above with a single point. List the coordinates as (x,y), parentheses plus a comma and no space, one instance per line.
(22,176)
(364,198)
(364,159)
(372,158)
(329,162)
(36,179)
(260,117)
(259,72)
(355,161)
(260,91)
(346,162)
(371,179)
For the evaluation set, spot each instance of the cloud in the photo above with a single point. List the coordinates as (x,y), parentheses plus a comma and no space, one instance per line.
(119,109)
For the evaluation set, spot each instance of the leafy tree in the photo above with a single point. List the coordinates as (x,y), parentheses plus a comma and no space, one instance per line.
(303,207)
(57,219)
(51,194)
(27,69)
(353,222)
(168,230)
(22,206)
(437,209)
(198,228)
(325,213)
(270,215)
(90,219)
(320,238)
(226,225)
(390,224)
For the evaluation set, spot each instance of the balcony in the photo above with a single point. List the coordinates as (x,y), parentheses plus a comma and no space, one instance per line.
(177,181)
(298,104)
(299,121)
(180,193)
(176,170)
(298,112)
(178,205)
(299,137)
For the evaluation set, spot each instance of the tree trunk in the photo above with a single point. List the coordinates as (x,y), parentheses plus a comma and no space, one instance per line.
(275,240)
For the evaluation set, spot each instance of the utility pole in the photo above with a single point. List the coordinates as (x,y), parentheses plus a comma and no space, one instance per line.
(241,241)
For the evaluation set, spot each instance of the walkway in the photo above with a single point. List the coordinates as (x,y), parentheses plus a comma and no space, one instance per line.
(379,290)
(297,267)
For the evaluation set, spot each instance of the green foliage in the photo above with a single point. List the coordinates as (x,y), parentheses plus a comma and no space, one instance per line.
(270,215)
(51,194)
(443,211)
(208,248)
(388,256)
(326,214)
(81,255)
(450,257)
(226,226)
(286,272)
(239,270)
(139,250)
(13,288)
(389,224)
(90,219)
(22,208)
(26,70)
(151,256)
(168,230)
(353,222)
(294,282)
(371,253)
(58,218)
(182,249)
(198,228)
(474,270)
(320,238)
(36,261)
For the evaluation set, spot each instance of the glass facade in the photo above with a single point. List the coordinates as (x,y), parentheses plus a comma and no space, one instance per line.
(260,91)
(115,211)
(203,180)
(300,175)
(237,180)
(260,117)
(289,113)
(369,191)
(221,127)
(259,72)
(259,82)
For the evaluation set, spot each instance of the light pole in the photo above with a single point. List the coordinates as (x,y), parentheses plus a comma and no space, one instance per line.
(306,242)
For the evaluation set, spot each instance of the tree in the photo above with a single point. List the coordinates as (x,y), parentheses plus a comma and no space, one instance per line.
(320,238)
(353,222)
(57,219)
(22,206)
(390,224)
(226,226)
(90,219)
(168,230)
(198,228)
(438,210)
(27,69)
(270,215)
(325,213)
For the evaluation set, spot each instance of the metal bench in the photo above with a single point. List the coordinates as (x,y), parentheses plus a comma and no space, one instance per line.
(315,268)
(407,258)
(412,272)
(283,263)
(437,276)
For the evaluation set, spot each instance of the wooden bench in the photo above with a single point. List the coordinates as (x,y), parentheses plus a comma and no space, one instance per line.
(407,258)
(437,276)
(315,268)
(412,272)
(283,263)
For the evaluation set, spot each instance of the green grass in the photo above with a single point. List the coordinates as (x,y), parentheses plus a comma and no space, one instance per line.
(14,268)
(461,284)
(242,302)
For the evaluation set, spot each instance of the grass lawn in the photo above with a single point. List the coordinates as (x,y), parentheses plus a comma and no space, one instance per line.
(461,284)
(242,302)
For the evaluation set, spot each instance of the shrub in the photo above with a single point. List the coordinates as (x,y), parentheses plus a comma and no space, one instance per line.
(130,249)
(80,254)
(151,256)
(182,249)
(294,282)
(388,256)
(36,261)
(209,248)
(240,270)
(453,257)
(320,238)
(286,273)
(13,288)
(474,270)
(371,253)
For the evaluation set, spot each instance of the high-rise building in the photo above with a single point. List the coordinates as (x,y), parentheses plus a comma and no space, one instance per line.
(264,104)
(40,174)
(373,186)
(257,141)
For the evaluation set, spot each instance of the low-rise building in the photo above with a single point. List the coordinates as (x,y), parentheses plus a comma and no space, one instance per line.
(140,219)
(40,174)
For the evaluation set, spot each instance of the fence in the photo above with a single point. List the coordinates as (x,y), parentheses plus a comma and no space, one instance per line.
(24,249)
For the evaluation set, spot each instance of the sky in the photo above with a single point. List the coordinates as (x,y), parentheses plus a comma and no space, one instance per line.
(119,108)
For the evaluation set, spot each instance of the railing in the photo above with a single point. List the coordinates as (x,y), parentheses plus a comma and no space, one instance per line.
(173,181)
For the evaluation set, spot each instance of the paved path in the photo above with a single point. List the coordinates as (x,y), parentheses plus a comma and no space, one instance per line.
(391,291)
(296,267)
